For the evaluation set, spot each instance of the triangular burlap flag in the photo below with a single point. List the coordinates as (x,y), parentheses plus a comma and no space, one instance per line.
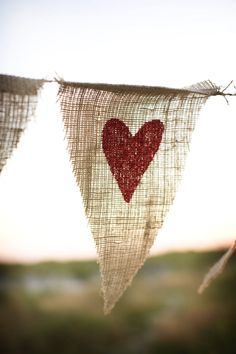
(18,99)
(127,145)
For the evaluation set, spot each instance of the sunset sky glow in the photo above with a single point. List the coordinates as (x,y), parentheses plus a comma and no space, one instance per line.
(161,43)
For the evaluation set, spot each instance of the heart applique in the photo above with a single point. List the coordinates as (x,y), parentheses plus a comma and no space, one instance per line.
(129,156)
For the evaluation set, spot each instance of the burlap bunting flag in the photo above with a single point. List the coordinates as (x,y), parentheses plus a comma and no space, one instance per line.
(128,146)
(18,99)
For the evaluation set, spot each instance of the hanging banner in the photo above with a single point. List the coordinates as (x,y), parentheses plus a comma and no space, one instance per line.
(18,99)
(128,145)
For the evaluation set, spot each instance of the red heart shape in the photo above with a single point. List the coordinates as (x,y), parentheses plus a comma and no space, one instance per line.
(129,156)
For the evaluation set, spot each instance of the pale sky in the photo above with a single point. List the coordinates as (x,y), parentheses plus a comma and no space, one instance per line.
(163,43)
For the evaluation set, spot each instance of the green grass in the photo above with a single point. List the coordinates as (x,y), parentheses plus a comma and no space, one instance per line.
(53,308)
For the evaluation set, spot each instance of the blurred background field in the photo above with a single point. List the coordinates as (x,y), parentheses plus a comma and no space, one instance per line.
(50,308)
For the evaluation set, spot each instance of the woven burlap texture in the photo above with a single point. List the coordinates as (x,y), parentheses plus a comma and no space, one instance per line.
(124,232)
(18,99)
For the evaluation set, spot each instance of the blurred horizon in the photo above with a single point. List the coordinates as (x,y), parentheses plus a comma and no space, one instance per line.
(56,307)
(220,248)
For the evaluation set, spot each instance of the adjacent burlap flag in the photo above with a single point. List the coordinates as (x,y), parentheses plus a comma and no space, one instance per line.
(18,98)
(127,145)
